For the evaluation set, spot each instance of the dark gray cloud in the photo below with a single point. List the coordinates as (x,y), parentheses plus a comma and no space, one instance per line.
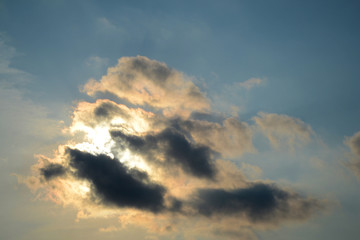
(52,170)
(175,147)
(115,184)
(259,203)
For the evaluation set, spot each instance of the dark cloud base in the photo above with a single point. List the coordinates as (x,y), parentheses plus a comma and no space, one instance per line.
(52,170)
(259,203)
(174,146)
(112,182)
(117,185)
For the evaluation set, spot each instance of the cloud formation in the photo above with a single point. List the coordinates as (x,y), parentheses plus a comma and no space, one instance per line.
(283,130)
(52,170)
(112,183)
(250,83)
(142,81)
(353,143)
(231,138)
(259,202)
(115,183)
(169,159)
(170,146)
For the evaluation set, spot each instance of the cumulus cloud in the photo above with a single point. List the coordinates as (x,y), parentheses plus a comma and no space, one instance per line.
(168,163)
(140,81)
(283,130)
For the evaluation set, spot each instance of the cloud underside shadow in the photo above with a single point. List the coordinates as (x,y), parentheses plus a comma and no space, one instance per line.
(175,148)
(115,185)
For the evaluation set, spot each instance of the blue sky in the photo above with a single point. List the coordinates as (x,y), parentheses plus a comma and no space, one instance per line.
(304,55)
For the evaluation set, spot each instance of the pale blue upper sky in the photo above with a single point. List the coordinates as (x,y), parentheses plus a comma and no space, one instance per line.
(306,52)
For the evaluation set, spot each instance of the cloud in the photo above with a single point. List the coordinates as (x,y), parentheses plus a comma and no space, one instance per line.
(52,170)
(106,112)
(105,26)
(142,81)
(96,65)
(259,202)
(113,182)
(109,229)
(173,147)
(159,157)
(250,83)
(240,233)
(353,143)
(232,138)
(283,130)
(10,76)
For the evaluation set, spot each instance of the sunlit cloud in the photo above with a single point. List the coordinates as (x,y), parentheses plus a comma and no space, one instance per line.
(283,131)
(160,158)
(142,81)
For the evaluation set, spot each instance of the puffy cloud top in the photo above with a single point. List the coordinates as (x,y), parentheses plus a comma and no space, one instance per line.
(142,81)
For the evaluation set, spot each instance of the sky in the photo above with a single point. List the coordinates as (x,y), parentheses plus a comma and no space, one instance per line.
(179,119)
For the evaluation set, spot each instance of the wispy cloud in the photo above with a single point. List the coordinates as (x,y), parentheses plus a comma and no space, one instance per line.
(283,131)
(250,83)
(353,143)
(104,24)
